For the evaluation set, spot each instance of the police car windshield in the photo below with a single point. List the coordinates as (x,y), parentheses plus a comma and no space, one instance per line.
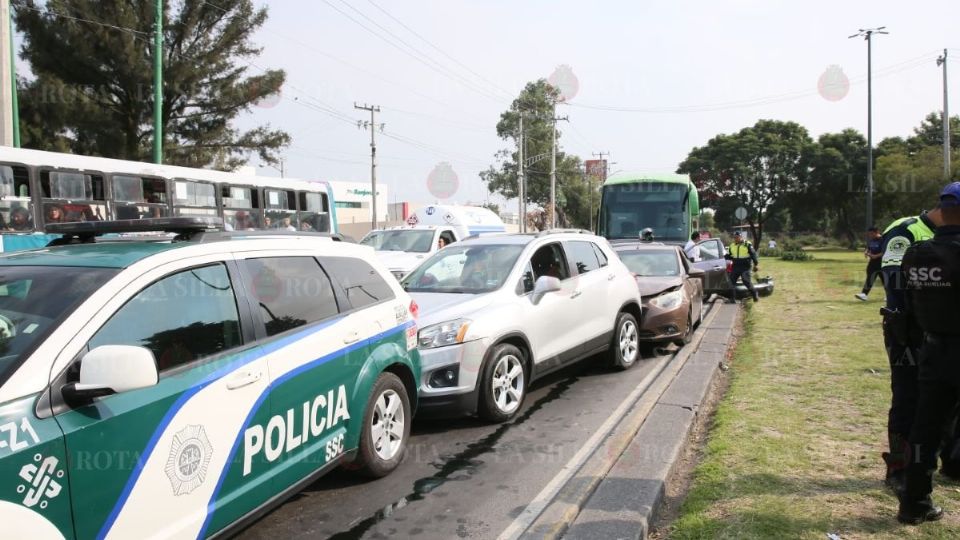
(34,300)
(411,240)
(465,269)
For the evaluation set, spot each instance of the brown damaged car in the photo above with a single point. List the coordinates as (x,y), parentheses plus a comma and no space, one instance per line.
(671,289)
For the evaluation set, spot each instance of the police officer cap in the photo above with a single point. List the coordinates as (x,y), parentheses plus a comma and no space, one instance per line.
(737,233)
(950,196)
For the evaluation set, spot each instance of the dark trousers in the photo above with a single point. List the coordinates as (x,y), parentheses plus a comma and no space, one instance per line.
(742,274)
(873,273)
(939,388)
(903,403)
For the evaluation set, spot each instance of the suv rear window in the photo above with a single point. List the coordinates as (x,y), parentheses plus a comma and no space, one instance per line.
(362,283)
(582,256)
(290,292)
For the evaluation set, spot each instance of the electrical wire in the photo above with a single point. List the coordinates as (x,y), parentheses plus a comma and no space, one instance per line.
(412,52)
(900,67)
(132,31)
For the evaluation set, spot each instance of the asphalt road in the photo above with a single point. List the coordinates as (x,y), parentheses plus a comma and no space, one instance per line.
(462,478)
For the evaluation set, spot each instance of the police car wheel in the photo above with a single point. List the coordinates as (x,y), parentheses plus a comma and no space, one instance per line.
(503,385)
(386,427)
(625,348)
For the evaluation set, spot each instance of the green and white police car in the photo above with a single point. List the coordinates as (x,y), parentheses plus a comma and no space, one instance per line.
(178,389)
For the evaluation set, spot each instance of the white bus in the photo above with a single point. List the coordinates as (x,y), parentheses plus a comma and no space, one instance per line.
(37,188)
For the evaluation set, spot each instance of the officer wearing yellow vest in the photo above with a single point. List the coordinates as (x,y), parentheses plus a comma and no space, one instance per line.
(742,254)
(902,339)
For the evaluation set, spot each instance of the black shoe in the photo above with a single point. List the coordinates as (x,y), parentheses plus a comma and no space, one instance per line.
(756,296)
(915,514)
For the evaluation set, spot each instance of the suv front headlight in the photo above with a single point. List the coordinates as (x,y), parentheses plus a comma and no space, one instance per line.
(668,300)
(443,334)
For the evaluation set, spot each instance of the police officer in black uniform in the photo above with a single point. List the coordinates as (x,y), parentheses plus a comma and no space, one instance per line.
(932,273)
(902,339)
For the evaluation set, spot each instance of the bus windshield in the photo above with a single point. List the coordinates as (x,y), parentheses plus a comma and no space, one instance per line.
(628,209)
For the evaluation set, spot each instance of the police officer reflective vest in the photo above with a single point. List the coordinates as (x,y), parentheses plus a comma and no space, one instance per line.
(932,272)
(741,254)
(900,235)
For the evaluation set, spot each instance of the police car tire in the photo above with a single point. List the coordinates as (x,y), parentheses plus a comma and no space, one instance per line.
(487,408)
(368,463)
(625,321)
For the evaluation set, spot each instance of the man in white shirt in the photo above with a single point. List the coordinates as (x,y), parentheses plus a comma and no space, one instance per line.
(691,248)
(772,244)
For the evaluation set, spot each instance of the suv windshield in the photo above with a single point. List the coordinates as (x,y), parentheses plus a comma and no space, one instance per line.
(651,263)
(34,300)
(416,241)
(464,269)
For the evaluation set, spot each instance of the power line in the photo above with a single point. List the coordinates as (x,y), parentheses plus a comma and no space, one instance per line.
(759,101)
(416,54)
(132,31)
(440,50)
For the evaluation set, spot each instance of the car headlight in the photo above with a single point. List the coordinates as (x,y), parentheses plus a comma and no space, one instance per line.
(668,300)
(443,334)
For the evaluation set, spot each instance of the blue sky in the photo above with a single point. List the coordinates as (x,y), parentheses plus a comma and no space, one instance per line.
(697,68)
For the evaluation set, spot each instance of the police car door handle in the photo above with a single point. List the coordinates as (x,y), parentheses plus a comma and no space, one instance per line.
(243,379)
(611,277)
(576,294)
(352,337)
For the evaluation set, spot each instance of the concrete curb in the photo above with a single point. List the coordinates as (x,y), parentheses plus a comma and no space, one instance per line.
(553,512)
(628,497)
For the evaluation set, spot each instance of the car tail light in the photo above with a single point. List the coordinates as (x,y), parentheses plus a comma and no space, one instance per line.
(729,267)
(414,309)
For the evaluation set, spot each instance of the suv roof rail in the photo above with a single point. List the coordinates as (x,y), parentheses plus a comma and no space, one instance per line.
(562,231)
(219,236)
(186,229)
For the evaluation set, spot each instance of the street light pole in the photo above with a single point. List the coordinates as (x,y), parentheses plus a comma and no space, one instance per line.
(158,83)
(946,119)
(867,34)
(522,222)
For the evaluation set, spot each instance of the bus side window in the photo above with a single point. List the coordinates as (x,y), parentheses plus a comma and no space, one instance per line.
(16,207)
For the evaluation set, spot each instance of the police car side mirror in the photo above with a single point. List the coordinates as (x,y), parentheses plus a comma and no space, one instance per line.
(111,369)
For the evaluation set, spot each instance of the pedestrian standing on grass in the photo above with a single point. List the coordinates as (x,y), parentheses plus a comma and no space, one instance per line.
(932,273)
(874,254)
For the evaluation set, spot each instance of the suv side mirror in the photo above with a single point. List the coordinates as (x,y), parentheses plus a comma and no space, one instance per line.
(111,369)
(695,272)
(544,285)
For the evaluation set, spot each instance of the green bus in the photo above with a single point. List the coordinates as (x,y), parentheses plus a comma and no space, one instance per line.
(666,203)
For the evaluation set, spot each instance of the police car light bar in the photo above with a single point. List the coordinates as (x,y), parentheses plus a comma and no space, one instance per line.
(177,225)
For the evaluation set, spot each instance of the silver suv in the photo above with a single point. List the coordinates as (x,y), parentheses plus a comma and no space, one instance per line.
(497,312)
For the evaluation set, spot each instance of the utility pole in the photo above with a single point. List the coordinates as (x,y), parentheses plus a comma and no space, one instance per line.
(867,34)
(372,126)
(521,190)
(6,76)
(590,184)
(946,119)
(553,168)
(158,83)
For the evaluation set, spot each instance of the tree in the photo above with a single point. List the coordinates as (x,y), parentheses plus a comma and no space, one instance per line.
(838,182)
(93,67)
(536,102)
(930,133)
(755,166)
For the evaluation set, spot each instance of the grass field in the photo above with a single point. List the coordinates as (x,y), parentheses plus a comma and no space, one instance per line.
(794,448)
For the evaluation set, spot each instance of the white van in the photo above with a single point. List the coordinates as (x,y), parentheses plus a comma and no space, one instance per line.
(401,249)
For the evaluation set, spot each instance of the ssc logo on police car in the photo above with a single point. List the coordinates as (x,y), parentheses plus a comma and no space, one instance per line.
(190,455)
